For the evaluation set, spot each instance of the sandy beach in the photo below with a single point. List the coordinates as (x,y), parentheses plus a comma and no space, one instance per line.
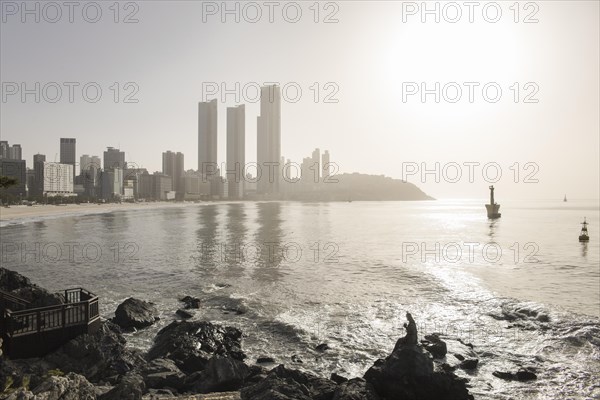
(32,213)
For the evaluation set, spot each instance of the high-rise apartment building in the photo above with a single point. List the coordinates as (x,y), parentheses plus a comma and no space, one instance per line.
(269,140)
(8,152)
(207,137)
(68,153)
(325,167)
(87,162)
(236,150)
(114,158)
(172,165)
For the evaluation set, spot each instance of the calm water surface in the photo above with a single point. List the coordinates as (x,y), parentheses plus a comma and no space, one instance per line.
(293,275)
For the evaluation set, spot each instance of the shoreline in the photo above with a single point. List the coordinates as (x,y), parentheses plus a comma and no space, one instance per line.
(39,212)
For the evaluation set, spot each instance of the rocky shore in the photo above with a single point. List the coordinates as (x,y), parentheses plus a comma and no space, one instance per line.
(202,360)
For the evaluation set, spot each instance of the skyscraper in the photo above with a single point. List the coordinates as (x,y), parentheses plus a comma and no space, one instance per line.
(207,137)
(114,158)
(315,165)
(4,149)
(56,179)
(172,165)
(269,140)
(325,167)
(236,150)
(15,152)
(67,153)
(38,168)
(87,162)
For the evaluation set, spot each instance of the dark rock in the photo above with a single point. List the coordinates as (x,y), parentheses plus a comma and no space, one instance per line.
(408,373)
(460,357)
(319,388)
(406,361)
(184,314)
(322,347)
(38,297)
(11,280)
(338,378)
(219,375)
(68,387)
(435,346)
(296,359)
(192,344)
(288,384)
(275,388)
(355,389)
(159,392)
(507,376)
(21,394)
(257,374)
(163,373)
(130,387)
(21,286)
(265,360)
(447,367)
(102,390)
(135,314)
(469,364)
(97,356)
(525,375)
(190,302)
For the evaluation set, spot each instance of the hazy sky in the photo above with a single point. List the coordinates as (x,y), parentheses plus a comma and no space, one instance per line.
(368,56)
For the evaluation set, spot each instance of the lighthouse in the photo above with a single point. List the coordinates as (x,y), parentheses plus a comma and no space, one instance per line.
(492,208)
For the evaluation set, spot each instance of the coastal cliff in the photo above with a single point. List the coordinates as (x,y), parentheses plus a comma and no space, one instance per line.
(202,360)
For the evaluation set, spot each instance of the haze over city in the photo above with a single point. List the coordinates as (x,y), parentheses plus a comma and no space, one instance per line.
(299,200)
(366,57)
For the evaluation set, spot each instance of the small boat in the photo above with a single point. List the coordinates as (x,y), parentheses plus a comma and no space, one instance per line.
(565,199)
(583,236)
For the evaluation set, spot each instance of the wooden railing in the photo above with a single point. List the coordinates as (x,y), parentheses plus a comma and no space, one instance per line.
(81,307)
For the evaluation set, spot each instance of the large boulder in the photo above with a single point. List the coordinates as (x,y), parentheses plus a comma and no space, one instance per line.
(434,345)
(221,374)
(69,387)
(21,286)
(282,384)
(355,389)
(190,302)
(135,314)
(11,280)
(276,388)
(163,373)
(408,373)
(192,344)
(523,375)
(98,356)
(130,387)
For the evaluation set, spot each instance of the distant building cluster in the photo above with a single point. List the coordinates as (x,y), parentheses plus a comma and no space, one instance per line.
(271,176)
(111,179)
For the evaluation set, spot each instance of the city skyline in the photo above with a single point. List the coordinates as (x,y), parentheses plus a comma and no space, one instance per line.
(370,127)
